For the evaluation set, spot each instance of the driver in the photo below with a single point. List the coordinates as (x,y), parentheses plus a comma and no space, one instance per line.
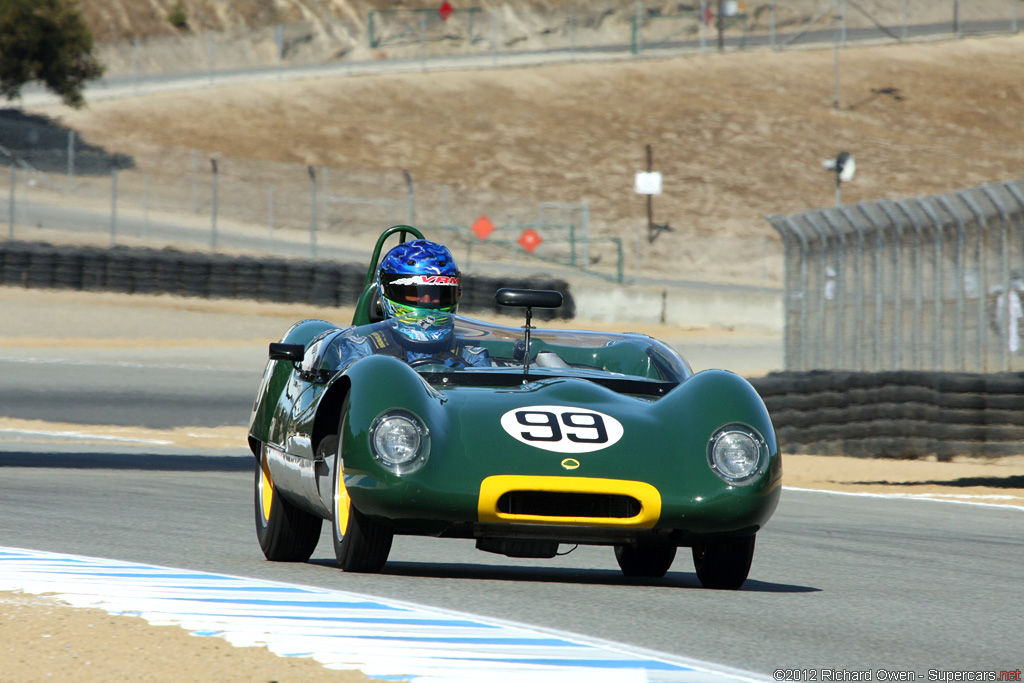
(419,287)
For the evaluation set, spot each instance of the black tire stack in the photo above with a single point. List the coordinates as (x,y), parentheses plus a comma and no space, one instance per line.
(897,414)
(134,270)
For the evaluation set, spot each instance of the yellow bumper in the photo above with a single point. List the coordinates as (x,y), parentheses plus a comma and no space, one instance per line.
(493,488)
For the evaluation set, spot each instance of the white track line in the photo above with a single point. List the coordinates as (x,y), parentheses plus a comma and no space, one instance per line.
(82,436)
(932,497)
(382,638)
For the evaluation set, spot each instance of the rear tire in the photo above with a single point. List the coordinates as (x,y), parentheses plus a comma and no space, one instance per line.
(724,564)
(650,561)
(360,543)
(285,532)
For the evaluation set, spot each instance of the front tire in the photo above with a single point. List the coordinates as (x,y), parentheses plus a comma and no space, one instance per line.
(724,564)
(285,532)
(645,561)
(360,543)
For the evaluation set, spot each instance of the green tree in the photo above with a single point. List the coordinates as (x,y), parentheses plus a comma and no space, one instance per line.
(178,18)
(48,41)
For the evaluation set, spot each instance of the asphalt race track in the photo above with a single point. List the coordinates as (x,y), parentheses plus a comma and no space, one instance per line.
(845,583)
(838,582)
(132,387)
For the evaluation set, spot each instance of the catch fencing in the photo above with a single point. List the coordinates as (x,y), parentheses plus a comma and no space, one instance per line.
(928,283)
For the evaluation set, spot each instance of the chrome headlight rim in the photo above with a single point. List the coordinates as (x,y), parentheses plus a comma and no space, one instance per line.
(757,443)
(402,419)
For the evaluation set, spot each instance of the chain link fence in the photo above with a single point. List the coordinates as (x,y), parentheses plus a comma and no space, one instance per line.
(927,283)
(505,33)
(182,197)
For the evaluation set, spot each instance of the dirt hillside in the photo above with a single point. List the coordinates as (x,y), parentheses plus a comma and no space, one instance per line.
(736,136)
(117,19)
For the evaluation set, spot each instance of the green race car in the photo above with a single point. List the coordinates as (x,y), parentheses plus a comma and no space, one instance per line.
(545,437)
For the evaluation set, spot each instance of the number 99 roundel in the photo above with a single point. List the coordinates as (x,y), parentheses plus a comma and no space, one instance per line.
(562,429)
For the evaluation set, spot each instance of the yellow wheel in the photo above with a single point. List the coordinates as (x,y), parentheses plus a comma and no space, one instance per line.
(360,543)
(285,532)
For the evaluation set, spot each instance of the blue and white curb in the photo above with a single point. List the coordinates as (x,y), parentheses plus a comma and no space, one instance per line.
(384,639)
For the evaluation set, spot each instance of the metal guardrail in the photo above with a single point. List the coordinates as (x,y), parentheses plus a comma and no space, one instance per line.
(651,29)
(418,25)
(596,28)
(560,245)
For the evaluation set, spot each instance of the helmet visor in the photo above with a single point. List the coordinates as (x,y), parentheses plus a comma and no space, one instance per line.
(422,291)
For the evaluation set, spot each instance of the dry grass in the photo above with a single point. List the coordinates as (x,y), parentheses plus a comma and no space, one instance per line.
(737,136)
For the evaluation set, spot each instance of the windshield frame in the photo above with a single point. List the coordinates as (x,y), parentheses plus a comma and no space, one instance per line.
(623,361)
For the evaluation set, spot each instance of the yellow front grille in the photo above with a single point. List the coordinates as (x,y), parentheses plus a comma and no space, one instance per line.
(492,489)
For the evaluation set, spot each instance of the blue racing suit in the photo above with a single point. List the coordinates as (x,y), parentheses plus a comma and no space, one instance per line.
(385,341)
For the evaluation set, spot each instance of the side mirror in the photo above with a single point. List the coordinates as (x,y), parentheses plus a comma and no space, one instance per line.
(292,352)
(529,298)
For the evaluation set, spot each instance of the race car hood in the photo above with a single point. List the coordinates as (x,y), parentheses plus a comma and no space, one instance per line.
(565,427)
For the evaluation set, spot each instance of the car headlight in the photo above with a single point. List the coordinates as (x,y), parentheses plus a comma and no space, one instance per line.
(737,453)
(399,441)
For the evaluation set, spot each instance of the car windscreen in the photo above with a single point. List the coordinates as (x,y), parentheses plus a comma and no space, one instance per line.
(455,344)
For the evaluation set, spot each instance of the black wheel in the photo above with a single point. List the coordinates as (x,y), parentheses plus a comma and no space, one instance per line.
(285,533)
(360,543)
(724,564)
(649,561)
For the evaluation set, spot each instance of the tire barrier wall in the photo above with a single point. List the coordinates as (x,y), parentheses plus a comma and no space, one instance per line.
(167,271)
(896,414)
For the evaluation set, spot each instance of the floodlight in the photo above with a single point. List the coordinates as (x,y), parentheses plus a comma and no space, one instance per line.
(843,165)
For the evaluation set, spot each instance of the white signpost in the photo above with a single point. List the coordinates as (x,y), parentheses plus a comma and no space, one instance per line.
(649,183)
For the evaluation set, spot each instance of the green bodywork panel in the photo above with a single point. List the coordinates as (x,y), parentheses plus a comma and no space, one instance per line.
(287,398)
(664,445)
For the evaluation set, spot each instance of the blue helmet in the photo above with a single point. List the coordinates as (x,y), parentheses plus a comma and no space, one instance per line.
(419,286)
